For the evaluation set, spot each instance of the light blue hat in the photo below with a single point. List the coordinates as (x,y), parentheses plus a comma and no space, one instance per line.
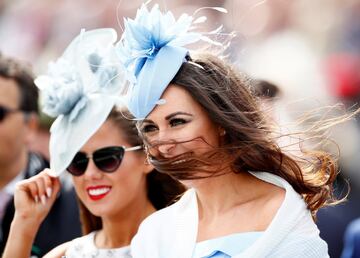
(80,89)
(152,49)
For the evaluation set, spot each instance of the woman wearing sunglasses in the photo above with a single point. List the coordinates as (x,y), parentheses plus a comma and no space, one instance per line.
(202,125)
(116,188)
(100,147)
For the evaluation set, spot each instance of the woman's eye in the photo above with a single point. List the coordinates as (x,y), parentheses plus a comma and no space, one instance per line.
(149,128)
(177,121)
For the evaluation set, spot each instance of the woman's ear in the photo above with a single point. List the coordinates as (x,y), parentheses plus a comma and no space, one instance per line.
(222,131)
(148,167)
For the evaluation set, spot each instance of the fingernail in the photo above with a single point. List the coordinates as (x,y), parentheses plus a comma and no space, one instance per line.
(48,192)
(43,199)
(36,198)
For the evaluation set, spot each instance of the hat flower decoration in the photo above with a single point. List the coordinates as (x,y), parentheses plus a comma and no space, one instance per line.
(80,89)
(152,49)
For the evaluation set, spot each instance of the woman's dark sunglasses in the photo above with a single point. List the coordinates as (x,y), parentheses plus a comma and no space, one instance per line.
(106,159)
(4,112)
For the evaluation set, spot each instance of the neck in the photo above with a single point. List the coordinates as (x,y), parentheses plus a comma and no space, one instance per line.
(119,230)
(216,195)
(9,170)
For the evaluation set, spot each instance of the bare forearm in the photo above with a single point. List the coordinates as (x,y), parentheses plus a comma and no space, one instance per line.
(21,237)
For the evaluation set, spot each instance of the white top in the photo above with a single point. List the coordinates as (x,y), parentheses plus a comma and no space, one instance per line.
(84,247)
(172,232)
(226,246)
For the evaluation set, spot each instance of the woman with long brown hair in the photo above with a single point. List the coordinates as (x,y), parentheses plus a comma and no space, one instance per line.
(202,125)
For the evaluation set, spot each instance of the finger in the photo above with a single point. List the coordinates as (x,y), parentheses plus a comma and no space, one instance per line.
(56,185)
(41,186)
(48,185)
(55,181)
(30,187)
(49,172)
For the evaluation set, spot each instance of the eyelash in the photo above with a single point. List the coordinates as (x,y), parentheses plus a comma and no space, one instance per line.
(173,123)
(149,128)
(177,121)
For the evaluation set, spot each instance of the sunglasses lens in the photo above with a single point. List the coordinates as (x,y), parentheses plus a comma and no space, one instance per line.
(108,159)
(2,113)
(78,165)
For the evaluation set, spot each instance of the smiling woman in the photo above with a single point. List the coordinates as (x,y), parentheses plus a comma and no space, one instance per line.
(99,146)
(211,135)
(201,124)
(116,189)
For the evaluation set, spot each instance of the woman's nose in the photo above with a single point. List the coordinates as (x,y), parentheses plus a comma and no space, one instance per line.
(165,143)
(92,171)
(166,149)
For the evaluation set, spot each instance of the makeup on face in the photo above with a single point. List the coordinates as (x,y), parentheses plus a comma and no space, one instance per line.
(98,192)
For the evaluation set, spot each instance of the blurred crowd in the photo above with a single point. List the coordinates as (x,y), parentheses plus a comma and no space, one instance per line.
(310,50)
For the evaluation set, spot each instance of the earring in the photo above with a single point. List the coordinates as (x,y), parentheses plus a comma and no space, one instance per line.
(147,160)
(223,132)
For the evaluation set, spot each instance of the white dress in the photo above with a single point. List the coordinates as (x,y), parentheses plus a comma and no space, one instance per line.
(84,247)
(172,232)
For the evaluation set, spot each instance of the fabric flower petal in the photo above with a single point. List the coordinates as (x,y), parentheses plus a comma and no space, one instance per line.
(142,49)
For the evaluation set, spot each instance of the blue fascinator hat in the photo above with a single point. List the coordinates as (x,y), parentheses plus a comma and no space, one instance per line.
(152,49)
(80,89)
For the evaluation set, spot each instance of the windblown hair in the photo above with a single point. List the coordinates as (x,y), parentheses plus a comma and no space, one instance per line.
(249,143)
(162,189)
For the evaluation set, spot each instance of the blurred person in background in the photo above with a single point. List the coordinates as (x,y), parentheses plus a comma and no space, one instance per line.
(18,125)
(344,84)
(268,94)
(305,90)
(352,240)
(42,136)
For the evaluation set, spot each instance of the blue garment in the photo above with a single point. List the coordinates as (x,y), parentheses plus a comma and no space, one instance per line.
(352,240)
(225,247)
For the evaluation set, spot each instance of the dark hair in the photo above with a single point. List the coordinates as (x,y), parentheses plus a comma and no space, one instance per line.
(248,144)
(264,89)
(22,75)
(162,189)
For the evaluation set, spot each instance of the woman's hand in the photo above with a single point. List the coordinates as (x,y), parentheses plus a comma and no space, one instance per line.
(34,198)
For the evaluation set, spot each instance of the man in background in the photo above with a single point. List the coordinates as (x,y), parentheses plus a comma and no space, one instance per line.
(18,125)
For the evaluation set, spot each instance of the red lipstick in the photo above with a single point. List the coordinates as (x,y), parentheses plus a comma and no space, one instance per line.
(98,192)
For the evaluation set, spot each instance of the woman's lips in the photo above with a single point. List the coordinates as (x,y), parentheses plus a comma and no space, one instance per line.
(98,192)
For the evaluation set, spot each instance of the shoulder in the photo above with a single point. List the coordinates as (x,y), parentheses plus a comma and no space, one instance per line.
(284,193)
(302,245)
(158,218)
(58,251)
(161,224)
(304,240)
(171,211)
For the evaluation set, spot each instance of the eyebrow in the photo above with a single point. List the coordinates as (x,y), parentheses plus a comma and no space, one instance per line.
(147,121)
(177,113)
(167,117)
